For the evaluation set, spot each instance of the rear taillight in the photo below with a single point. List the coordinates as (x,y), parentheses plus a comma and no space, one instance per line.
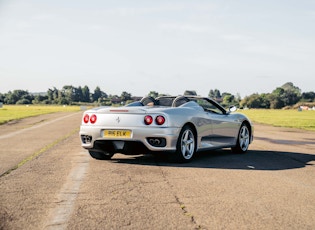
(93,119)
(160,120)
(86,118)
(148,120)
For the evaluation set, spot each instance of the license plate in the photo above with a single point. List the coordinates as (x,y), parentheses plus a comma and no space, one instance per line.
(117,133)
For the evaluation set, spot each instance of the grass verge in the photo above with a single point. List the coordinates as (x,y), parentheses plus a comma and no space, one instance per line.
(283,118)
(16,112)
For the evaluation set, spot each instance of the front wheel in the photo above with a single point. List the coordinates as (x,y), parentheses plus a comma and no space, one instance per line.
(101,155)
(186,145)
(242,140)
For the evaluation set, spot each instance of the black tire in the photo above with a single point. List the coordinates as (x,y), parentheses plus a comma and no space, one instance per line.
(243,140)
(101,155)
(186,145)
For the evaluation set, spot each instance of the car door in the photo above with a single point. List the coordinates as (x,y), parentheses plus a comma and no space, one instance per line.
(224,128)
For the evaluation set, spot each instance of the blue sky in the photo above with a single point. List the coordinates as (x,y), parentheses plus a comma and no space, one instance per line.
(168,46)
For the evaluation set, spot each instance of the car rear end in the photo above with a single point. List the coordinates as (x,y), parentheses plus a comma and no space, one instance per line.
(128,130)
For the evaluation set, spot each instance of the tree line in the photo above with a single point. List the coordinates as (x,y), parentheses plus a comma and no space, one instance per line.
(288,95)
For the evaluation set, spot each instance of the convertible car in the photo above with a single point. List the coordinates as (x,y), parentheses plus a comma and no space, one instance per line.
(177,125)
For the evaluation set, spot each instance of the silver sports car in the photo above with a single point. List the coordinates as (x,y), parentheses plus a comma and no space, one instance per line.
(178,125)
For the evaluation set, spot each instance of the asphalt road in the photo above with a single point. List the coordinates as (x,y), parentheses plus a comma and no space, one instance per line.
(49,182)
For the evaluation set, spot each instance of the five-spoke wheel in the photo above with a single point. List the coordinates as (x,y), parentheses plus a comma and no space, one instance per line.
(243,140)
(186,145)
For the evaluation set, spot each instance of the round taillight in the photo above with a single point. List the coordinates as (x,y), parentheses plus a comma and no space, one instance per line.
(86,118)
(148,120)
(93,119)
(160,120)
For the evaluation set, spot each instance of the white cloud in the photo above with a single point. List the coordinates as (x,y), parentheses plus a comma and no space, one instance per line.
(96,27)
(190,28)
(237,37)
(77,41)
(161,8)
(24,25)
(45,17)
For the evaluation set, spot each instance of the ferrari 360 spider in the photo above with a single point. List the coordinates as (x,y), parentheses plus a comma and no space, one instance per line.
(177,125)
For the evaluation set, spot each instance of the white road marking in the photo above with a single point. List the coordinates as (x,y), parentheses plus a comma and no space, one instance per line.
(59,216)
(15,133)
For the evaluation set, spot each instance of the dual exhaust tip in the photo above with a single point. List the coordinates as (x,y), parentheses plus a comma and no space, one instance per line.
(86,139)
(156,141)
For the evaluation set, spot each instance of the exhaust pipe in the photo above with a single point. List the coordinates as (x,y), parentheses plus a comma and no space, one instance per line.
(157,142)
(86,139)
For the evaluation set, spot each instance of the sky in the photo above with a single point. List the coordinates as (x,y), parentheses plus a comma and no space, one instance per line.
(168,46)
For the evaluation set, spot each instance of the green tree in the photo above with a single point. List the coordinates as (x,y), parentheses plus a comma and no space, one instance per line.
(252,101)
(21,96)
(289,86)
(86,94)
(215,94)
(53,95)
(277,98)
(2,96)
(69,94)
(78,94)
(23,101)
(228,99)
(61,98)
(190,93)
(40,99)
(281,97)
(125,96)
(291,94)
(265,103)
(308,97)
(153,94)
(97,94)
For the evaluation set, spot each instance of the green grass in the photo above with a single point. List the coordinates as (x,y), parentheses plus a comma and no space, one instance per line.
(15,112)
(283,118)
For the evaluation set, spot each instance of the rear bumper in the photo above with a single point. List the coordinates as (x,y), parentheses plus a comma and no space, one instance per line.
(91,137)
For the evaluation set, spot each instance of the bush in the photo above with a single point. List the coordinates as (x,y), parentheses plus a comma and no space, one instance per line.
(23,102)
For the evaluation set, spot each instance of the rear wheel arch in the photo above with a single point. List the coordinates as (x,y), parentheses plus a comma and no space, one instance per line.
(192,126)
(186,144)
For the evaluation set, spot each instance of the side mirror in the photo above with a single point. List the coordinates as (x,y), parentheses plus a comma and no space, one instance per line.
(232,108)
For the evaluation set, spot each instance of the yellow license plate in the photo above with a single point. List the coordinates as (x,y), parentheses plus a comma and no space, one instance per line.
(117,133)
